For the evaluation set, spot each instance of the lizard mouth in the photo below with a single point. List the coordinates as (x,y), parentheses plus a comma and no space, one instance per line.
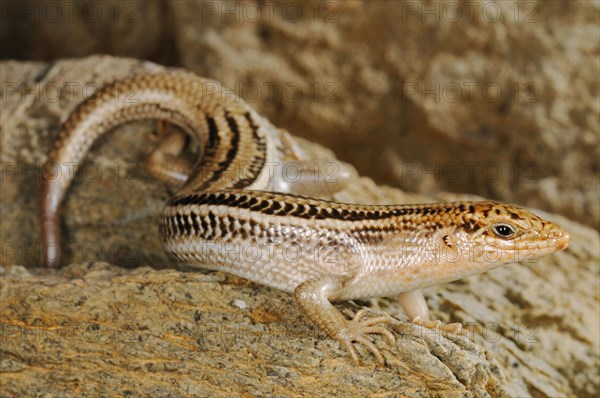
(550,243)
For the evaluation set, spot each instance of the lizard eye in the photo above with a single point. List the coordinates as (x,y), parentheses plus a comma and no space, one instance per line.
(504,230)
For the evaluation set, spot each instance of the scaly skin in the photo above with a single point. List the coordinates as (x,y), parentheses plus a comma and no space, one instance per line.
(231,215)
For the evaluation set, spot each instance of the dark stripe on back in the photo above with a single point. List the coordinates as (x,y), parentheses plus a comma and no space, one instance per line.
(253,126)
(212,147)
(306,210)
(235,140)
(258,161)
(213,133)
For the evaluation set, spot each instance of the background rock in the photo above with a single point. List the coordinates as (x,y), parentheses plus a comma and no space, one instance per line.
(92,328)
(495,98)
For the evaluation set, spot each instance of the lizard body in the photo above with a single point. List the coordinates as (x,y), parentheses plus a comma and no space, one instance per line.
(231,215)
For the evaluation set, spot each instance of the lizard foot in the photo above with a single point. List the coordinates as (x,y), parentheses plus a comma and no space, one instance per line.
(166,162)
(358,329)
(450,328)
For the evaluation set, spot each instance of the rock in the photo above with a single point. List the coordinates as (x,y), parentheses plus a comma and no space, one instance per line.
(107,324)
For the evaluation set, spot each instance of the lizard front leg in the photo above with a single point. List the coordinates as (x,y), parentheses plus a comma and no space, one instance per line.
(417,310)
(314,299)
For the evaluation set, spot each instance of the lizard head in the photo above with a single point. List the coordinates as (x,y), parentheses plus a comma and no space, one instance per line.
(497,233)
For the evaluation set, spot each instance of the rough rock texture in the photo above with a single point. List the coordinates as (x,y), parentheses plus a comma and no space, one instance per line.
(95,329)
(495,98)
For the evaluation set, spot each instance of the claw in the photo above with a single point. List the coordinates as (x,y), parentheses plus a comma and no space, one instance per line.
(358,330)
(369,344)
(451,328)
(350,348)
(360,314)
(373,321)
(383,331)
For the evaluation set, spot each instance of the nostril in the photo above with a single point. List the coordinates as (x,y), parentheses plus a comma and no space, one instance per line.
(555,233)
(561,236)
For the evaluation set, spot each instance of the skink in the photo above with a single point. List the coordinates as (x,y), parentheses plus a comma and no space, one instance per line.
(234,216)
